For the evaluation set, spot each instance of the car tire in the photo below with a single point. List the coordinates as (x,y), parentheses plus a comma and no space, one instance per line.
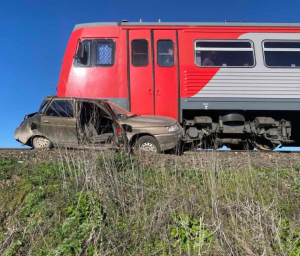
(41,143)
(148,143)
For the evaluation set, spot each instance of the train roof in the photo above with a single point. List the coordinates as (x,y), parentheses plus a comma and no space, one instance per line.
(188,24)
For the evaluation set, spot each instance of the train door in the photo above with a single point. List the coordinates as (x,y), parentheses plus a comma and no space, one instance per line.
(166,73)
(141,72)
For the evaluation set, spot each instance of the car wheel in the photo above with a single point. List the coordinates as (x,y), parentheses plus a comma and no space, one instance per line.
(41,143)
(147,143)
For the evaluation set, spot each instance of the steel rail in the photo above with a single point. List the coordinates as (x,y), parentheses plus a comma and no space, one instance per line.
(243,151)
(186,152)
(15,149)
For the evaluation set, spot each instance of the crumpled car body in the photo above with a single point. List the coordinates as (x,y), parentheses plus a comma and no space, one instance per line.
(96,123)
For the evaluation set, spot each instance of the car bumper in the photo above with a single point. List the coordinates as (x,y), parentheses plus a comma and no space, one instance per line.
(169,140)
(20,136)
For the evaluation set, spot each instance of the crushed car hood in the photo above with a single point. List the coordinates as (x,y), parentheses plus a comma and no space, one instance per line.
(148,121)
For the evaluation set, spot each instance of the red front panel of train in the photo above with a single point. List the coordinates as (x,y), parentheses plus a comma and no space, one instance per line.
(95,80)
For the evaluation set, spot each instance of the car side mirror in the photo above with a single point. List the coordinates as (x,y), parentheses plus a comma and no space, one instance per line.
(80,51)
(121,117)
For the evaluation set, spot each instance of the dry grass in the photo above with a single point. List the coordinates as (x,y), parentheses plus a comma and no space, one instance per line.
(114,204)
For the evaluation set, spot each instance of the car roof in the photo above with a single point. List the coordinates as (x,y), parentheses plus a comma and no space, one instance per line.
(78,98)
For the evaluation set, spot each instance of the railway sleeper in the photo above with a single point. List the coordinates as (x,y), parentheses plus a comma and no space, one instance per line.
(234,131)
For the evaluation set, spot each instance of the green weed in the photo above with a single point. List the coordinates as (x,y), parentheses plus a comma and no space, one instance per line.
(118,205)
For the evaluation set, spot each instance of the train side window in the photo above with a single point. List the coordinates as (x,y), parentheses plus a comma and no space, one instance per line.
(86,60)
(224,53)
(61,108)
(165,53)
(139,53)
(282,54)
(105,52)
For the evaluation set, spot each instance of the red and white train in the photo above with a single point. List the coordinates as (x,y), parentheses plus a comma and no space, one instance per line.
(234,84)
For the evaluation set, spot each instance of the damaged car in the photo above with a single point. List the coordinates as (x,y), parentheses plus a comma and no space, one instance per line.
(95,123)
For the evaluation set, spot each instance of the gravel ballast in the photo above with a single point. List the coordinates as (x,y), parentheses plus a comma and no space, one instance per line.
(201,159)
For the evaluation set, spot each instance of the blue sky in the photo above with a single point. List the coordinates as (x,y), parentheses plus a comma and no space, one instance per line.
(34,35)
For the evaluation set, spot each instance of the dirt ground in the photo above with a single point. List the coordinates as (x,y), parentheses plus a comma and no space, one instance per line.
(202,159)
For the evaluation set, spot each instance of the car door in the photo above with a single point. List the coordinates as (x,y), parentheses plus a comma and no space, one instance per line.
(58,122)
(95,124)
(120,136)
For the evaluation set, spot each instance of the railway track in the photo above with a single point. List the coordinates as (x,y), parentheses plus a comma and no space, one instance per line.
(244,151)
(15,149)
(193,151)
(257,151)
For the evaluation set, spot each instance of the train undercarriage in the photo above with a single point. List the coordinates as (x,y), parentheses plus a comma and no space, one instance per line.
(237,130)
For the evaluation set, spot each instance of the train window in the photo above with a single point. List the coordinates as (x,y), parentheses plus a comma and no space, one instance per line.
(86,60)
(61,108)
(165,53)
(139,53)
(105,52)
(224,53)
(284,54)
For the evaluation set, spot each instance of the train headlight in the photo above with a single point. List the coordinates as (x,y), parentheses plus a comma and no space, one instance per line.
(173,128)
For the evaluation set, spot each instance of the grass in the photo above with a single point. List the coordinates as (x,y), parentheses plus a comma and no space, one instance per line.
(114,205)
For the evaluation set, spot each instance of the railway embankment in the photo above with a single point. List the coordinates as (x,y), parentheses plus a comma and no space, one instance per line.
(200,159)
(73,202)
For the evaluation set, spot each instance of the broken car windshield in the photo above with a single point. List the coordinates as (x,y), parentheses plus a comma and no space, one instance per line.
(120,111)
